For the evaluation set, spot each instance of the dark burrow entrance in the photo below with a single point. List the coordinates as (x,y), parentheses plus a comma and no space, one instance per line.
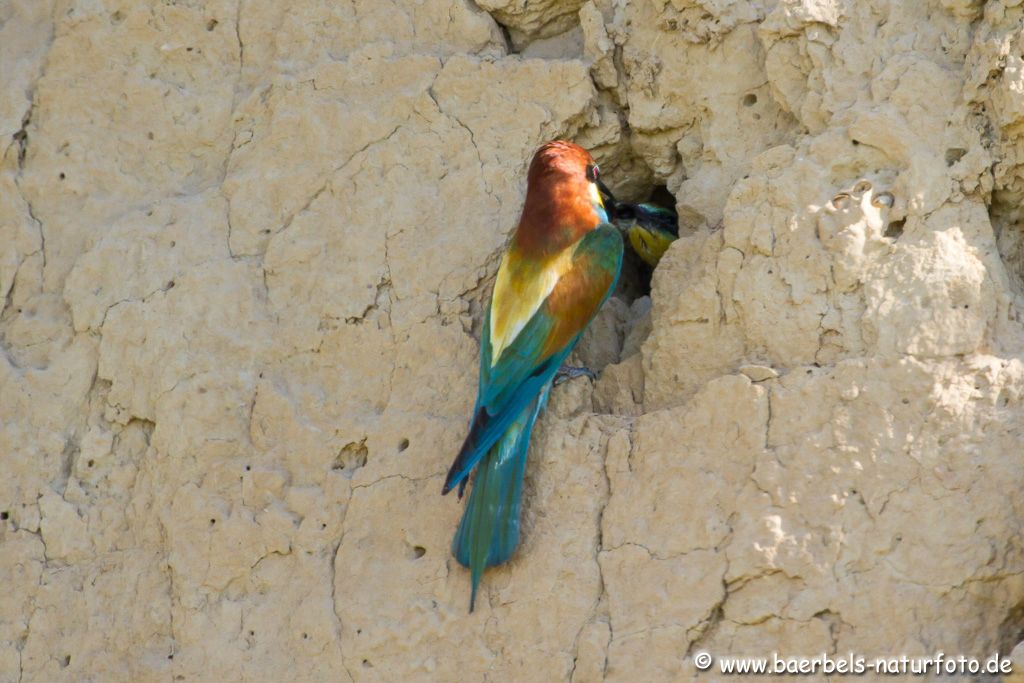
(635,280)
(624,322)
(1008,224)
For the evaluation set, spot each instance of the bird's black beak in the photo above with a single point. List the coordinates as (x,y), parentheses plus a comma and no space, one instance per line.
(606,196)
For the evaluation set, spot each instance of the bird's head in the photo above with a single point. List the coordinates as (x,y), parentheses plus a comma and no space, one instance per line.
(565,167)
(650,229)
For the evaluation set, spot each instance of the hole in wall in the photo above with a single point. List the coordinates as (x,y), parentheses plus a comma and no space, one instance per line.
(749,100)
(622,325)
(351,457)
(895,229)
(632,181)
(954,154)
(1007,217)
(211,24)
(510,47)
(403,444)
(634,280)
(637,272)
(662,197)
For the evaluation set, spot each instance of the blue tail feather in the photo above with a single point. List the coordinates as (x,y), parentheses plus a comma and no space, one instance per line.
(487,430)
(489,531)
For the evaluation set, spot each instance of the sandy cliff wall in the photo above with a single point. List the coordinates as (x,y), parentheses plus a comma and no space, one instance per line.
(244,247)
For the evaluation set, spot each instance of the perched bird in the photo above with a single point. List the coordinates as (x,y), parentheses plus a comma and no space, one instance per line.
(561,264)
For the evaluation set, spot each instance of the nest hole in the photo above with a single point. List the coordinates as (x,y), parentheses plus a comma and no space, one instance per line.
(1007,219)
(954,154)
(637,274)
(895,229)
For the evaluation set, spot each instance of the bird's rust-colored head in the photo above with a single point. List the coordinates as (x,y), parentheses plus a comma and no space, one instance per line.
(562,198)
(559,159)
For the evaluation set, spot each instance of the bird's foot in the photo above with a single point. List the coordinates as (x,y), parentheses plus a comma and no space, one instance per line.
(567,372)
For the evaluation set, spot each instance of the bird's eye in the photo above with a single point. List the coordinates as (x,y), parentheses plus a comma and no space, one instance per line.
(592,171)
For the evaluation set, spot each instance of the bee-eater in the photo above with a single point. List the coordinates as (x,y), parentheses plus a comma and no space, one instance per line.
(650,228)
(561,264)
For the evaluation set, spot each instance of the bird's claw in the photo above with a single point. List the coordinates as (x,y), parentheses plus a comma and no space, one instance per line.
(567,372)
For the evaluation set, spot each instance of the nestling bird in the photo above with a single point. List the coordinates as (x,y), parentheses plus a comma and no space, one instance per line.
(560,266)
(649,227)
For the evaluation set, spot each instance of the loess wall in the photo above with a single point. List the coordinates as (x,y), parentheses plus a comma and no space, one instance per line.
(244,249)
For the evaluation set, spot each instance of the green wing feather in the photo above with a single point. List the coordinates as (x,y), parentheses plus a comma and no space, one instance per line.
(532,358)
(516,388)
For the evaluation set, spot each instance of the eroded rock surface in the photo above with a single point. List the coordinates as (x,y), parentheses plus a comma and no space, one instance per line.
(244,250)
